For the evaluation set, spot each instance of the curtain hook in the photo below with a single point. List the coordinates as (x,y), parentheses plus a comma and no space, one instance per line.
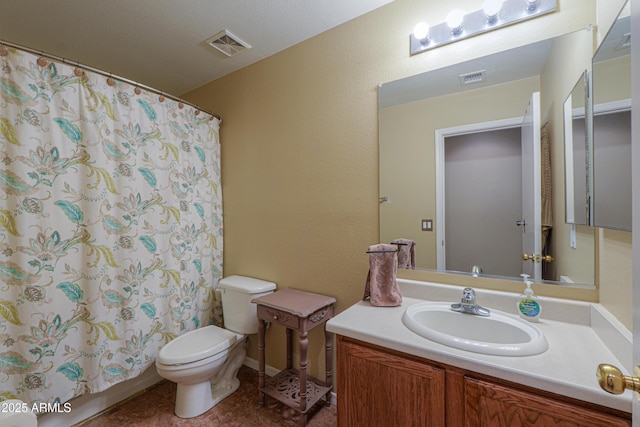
(42,61)
(3,50)
(161,97)
(111,81)
(137,90)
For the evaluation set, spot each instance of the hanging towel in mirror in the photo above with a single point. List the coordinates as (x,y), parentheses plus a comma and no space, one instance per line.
(406,253)
(381,287)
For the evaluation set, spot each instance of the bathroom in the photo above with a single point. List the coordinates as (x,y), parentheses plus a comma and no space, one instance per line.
(300,171)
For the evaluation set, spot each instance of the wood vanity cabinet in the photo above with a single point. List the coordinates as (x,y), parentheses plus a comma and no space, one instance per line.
(376,388)
(379,387)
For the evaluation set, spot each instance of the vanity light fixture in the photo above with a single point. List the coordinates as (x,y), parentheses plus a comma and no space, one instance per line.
(460,25)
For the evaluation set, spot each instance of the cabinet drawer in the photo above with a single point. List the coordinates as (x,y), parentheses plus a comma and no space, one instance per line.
(277,316)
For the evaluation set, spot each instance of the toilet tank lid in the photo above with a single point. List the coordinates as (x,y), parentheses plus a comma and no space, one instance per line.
(247,285)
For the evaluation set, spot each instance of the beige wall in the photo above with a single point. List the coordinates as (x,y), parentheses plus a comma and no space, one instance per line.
(300,149)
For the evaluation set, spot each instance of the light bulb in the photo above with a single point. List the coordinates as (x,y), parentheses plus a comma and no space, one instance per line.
(532,5)
(491,9)
(421,31)
(454,21)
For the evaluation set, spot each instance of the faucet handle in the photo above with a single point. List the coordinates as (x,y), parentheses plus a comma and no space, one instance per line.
(468,296)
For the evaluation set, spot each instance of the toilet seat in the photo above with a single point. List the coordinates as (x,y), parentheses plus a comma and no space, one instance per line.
(196,345)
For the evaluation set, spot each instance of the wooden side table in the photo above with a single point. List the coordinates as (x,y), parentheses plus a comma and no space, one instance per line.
(297,311)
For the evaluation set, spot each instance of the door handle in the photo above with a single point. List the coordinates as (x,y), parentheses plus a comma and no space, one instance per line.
(612,381)
(537,258)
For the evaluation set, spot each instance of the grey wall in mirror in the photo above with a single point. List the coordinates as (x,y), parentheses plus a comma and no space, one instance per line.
(413,110)
(611,79)
(578,154)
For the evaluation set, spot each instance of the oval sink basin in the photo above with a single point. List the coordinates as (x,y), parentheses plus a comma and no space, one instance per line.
(499,334)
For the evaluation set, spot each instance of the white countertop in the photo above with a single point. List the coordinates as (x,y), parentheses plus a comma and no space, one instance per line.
(580,336)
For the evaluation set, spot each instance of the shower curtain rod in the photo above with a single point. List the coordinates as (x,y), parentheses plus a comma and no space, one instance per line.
(104,73)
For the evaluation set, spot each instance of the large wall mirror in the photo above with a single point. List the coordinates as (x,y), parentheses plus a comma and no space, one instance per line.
(611,77)
(442,133)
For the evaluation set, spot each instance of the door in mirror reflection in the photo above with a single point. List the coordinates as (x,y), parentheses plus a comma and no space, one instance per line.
(532,189)
(489,195)
(483,202)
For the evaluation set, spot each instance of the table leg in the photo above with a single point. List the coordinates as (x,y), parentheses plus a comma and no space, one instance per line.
(289,348)
(261,359)
(304,344)
(328,348)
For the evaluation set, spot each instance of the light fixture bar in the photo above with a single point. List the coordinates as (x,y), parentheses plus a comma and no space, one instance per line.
(481,21)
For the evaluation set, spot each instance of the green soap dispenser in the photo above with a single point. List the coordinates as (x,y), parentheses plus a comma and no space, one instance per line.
(528,306)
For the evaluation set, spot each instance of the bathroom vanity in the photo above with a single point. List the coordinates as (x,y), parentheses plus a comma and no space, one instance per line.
(389,375)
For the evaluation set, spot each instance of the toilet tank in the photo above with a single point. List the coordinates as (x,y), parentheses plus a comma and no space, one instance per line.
(239,313)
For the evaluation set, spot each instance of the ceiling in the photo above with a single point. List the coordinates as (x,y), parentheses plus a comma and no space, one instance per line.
(161,43)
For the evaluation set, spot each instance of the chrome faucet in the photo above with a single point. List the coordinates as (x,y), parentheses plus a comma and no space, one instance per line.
(468,304)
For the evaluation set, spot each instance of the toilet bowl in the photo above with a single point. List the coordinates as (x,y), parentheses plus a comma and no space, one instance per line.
(204,362)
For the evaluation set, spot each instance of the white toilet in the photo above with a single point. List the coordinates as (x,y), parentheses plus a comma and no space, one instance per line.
(204,362)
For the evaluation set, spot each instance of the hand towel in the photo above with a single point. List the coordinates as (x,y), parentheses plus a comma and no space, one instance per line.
(406,253)
(381,287)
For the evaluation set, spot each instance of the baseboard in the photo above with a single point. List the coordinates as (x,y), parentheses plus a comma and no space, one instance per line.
(271,371)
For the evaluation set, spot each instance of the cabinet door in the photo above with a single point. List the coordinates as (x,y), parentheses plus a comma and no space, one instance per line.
(376,388)
(492,405)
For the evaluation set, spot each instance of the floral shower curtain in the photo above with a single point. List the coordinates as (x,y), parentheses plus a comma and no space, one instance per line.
(110,228)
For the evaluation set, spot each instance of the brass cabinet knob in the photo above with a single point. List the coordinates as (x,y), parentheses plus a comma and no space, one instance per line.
(612,381)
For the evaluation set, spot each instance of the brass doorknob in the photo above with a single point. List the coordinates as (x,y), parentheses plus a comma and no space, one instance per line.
(612,381)
(528,257)
(537,258)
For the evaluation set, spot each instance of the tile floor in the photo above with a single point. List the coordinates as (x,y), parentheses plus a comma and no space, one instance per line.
(155,409)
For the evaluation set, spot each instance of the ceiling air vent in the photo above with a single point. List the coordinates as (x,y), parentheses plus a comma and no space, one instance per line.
(227,43)
(474,77)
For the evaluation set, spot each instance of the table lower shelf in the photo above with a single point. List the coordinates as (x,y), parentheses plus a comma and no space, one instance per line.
(285,387)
